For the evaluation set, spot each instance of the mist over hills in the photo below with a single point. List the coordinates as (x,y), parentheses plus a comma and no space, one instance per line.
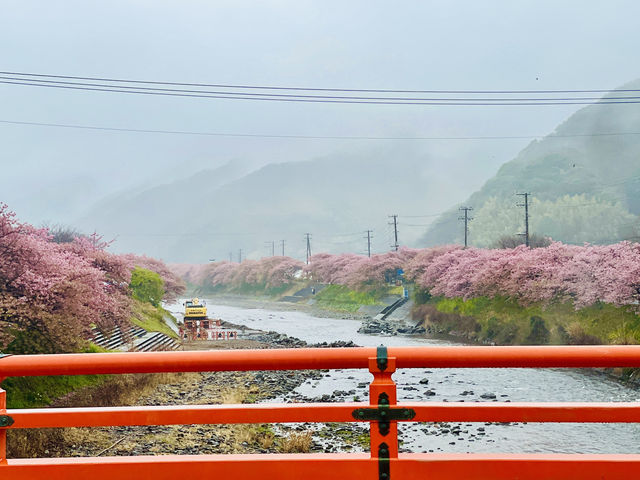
(217,212)
(584,179)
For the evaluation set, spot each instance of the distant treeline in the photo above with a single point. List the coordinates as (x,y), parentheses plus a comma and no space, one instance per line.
(558,273)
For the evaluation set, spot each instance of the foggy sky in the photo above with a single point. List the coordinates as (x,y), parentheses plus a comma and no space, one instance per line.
(51,174)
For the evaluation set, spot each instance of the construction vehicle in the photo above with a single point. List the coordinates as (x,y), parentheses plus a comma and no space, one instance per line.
(194,309)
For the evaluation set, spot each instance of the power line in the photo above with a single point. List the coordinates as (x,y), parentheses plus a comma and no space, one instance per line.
(271,244)
(265,87)
(423,216)
(313,137)
(327,98)
(137,89)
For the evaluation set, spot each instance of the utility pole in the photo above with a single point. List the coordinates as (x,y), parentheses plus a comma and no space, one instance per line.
(239,255)
(466,219)
(395,232)
(231,256)
(282,243)
(308,235)
(369,237)
(272,243)
(526,216)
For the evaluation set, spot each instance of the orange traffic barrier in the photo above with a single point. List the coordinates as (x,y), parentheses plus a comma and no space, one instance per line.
(383,412)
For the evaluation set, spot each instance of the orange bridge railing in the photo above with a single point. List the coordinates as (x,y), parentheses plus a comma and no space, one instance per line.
(383,412)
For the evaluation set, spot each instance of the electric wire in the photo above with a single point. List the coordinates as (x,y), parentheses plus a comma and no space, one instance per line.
(293,136)
(324,99)
(293,96)
(316,89)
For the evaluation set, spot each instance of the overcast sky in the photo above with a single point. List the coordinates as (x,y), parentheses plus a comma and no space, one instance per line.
(50,174)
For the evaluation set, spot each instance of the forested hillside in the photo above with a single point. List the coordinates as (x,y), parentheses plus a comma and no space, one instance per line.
(584,179)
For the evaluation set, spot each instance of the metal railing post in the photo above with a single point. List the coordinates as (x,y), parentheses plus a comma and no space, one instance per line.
(3,431)
(382,395)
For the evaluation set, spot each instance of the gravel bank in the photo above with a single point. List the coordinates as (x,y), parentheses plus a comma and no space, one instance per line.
(218,388)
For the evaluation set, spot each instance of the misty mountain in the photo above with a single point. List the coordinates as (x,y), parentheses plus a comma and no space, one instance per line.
(137,219)
(217,212)
(584,178)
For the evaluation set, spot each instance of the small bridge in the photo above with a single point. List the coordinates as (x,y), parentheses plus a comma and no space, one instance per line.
(382,413)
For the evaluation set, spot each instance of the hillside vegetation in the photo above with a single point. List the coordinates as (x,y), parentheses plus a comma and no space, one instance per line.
(584,178)
(502,321)
(57,287)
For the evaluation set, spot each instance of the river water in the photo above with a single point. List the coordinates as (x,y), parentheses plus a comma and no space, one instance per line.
(455,385)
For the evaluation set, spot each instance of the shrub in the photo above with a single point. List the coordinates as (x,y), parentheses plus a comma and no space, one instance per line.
(538,334)
(147,286)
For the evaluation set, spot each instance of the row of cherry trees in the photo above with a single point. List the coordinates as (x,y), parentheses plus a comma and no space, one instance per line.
(268,272)
(51,294)
(581,275)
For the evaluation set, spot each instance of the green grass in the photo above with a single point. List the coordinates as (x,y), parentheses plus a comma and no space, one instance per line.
(32,392)
(398,290)
(494,316)
(151,318)
(339,297)
(249,289)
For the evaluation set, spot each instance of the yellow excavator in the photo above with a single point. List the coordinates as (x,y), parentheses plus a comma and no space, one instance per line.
(194,309)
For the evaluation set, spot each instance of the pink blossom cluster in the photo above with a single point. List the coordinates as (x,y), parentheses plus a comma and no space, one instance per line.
(582,275)
(268,271)
(358,271)
(52,294)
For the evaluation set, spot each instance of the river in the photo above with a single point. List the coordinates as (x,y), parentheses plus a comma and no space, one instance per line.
(455,385)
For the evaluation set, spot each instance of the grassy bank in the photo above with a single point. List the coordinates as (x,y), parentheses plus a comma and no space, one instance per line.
(32,392)
(152,318)
(68,391)
(248,289)
(341,298)
(503,321)
(332,297)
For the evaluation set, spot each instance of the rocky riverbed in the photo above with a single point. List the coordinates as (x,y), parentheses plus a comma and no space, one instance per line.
(385,326)
(217,388)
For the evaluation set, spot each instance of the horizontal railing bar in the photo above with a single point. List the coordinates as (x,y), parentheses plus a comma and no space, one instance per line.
(549,356)
(436,466)
(320,358)
(170,467)
(184,415)
(616,412)
(546,412)
(185,361)
(519,466)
